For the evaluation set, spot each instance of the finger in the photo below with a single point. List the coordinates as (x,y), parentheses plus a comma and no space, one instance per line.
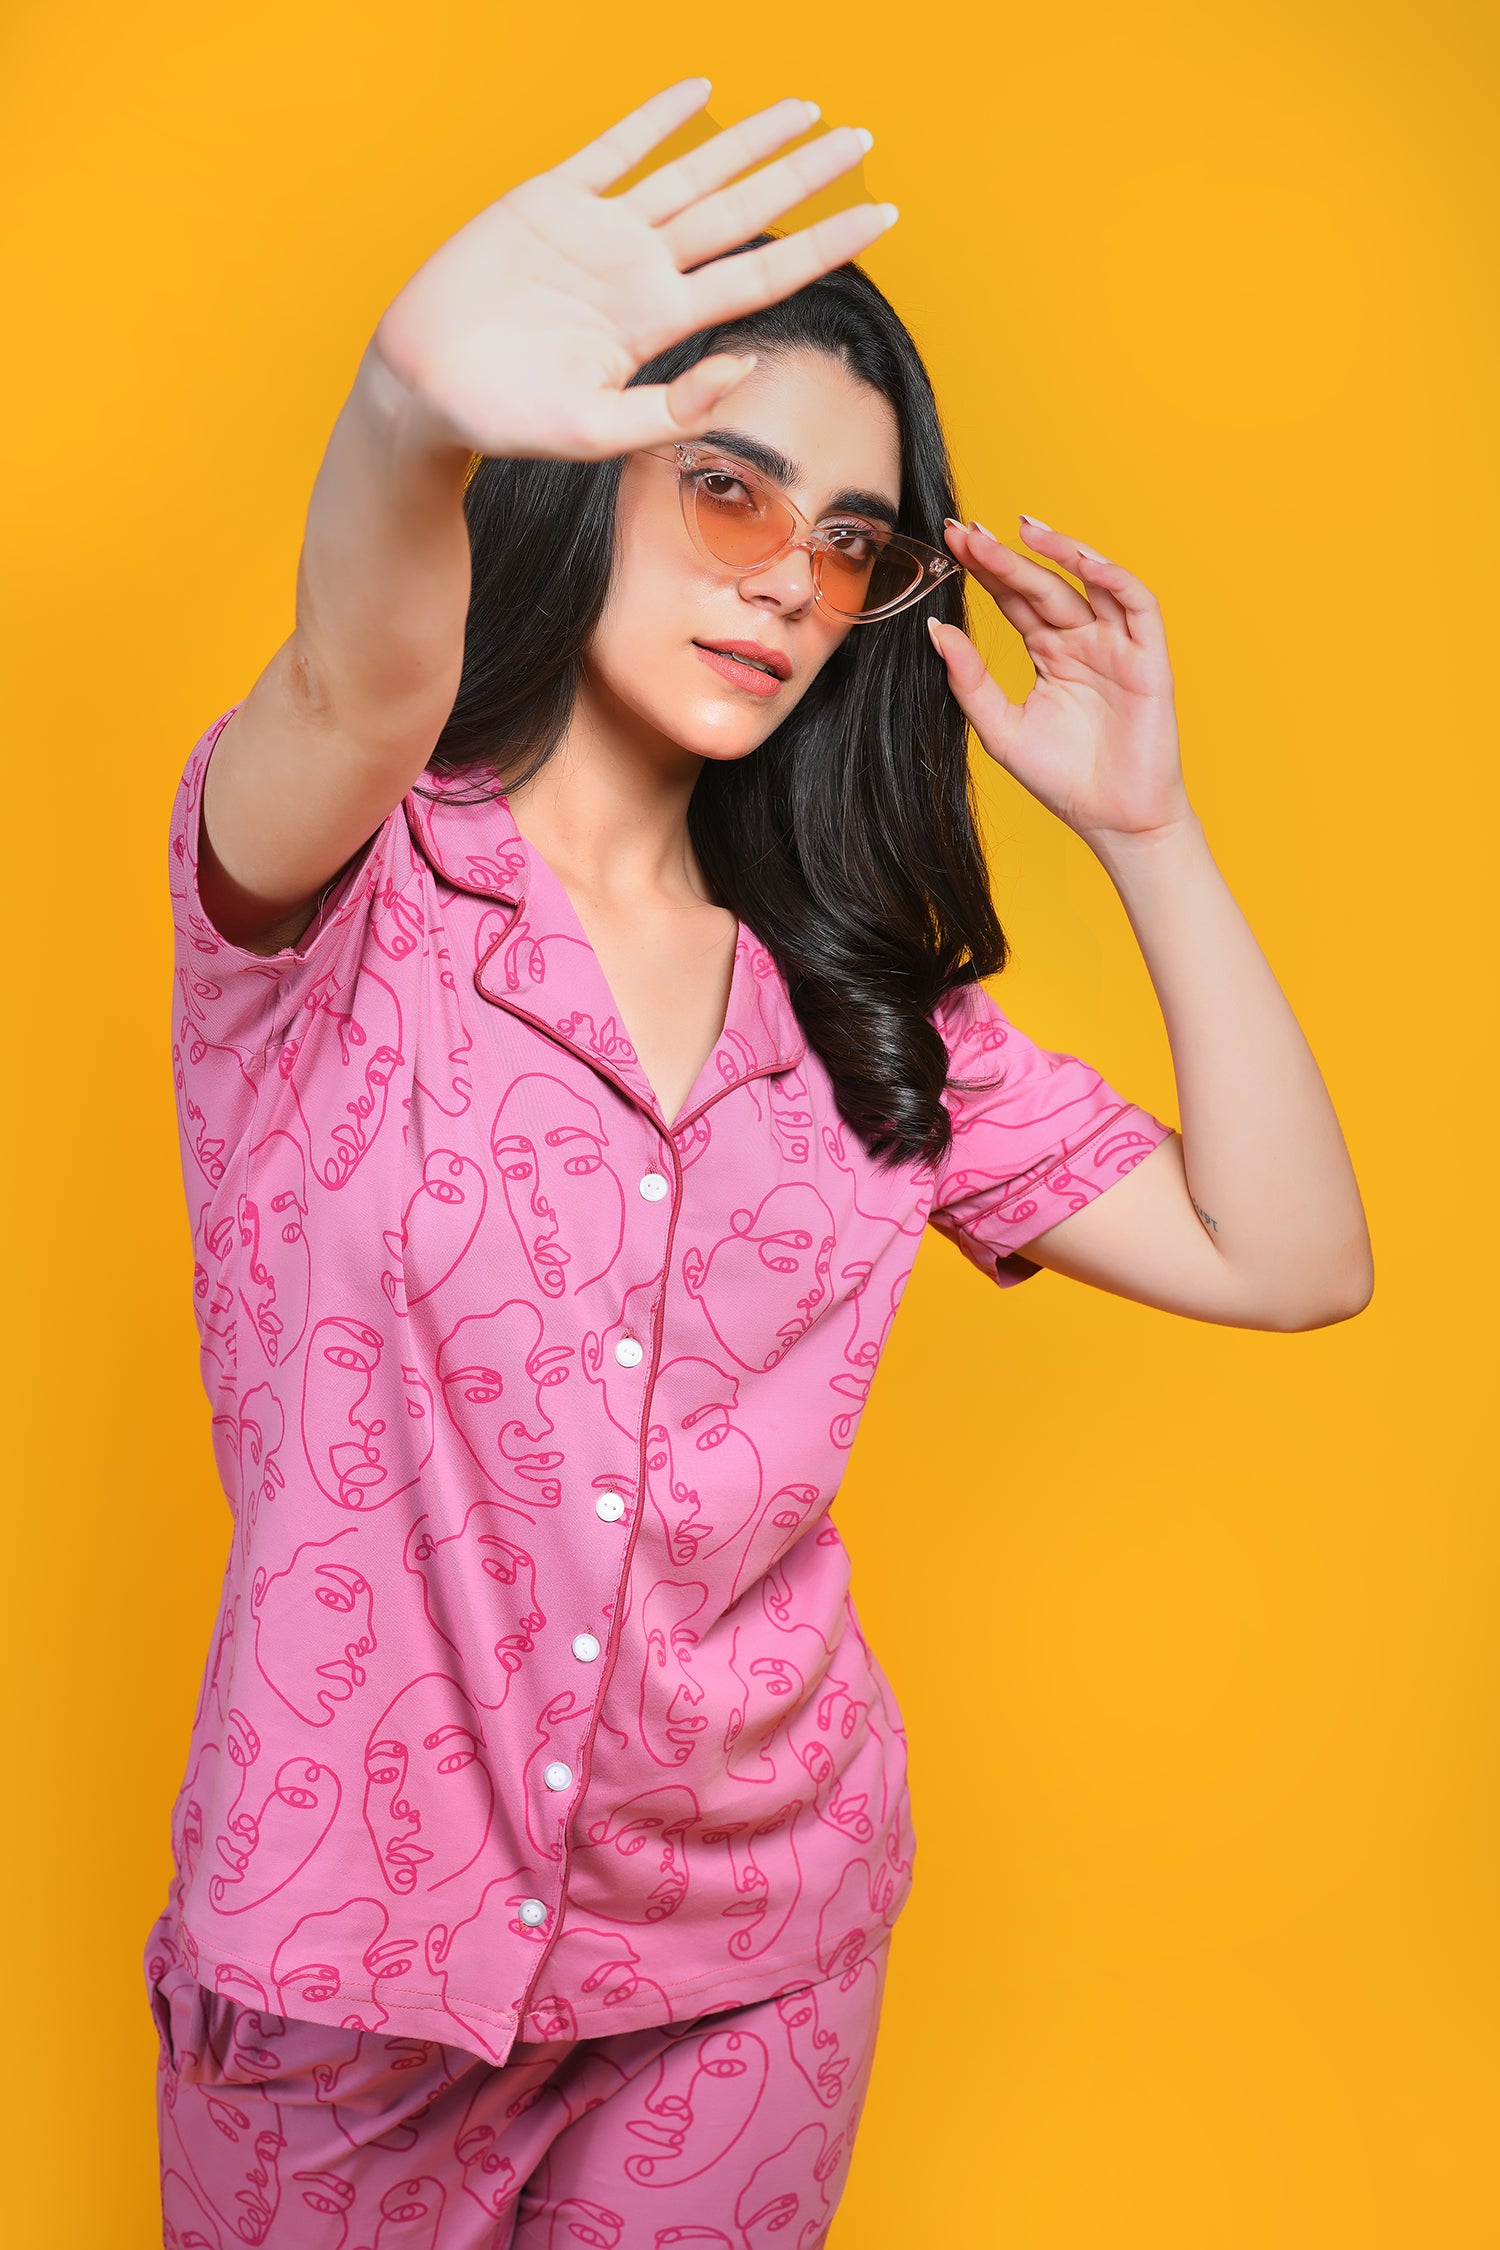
(1102,602)
(1110,587)
(655,413)
(1013,606)
(726,287)
(661,195)
(1053,599)
(747,208)
(613,153)
(1110,581)
(983,702)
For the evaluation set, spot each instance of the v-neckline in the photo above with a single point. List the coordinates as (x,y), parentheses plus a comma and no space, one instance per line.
(542,866)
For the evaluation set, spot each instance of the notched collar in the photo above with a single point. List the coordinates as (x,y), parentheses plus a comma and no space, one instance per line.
(537,960)
(462,825)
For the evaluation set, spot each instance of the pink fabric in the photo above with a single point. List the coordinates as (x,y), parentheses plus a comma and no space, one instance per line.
(535,1702)
(732,2133)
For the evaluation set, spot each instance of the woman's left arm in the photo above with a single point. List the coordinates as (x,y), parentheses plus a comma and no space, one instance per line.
(1252,1217)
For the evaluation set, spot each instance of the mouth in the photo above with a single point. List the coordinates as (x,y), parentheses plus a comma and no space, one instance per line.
(747,664)
(406,1852)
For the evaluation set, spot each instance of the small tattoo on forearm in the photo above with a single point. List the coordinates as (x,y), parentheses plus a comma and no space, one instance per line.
(1203,1215)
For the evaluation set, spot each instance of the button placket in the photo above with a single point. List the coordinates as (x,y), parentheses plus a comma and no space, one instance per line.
(610,1506)
(513,985)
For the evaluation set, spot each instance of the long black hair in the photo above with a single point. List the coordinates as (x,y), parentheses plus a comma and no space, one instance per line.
(847,841)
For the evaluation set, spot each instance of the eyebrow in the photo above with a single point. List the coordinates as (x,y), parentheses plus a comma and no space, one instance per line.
(781,471)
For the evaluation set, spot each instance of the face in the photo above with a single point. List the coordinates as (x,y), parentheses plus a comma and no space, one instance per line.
(766,1281)
(494,1369)
(645,670)
(559,1166)
(314,1623)
(428,1795)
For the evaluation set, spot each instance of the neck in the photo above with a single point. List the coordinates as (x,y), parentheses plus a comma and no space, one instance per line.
(608,811)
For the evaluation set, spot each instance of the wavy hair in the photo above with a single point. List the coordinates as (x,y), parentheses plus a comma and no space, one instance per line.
(847,841)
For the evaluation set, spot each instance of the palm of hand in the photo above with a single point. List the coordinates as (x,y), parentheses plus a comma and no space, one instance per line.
(583,291)
(525,328)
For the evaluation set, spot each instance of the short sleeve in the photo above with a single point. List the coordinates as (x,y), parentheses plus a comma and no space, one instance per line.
(231,1005)
(1036,1136)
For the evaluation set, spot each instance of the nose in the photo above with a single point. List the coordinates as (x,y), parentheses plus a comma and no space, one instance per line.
(523,1433)
(785,584)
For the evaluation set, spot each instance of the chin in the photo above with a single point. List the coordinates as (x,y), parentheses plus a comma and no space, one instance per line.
(723,744)
(713,729)
(661,690)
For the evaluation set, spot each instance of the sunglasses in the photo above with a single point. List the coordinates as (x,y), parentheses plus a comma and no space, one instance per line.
(738,519)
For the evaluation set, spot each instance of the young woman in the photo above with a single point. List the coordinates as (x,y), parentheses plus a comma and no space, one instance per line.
(579,926)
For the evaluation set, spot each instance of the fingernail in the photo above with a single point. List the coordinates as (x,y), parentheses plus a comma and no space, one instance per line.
(1037,521)
(888,212)
(983,530)
(813,112)
(864,136)
(1092,552)
(956,522)
(932,626)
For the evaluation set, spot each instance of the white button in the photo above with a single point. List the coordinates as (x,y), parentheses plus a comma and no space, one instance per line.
(654,1187)
(532,1911)
(609,1507)
(585,1647)
(557,1775)
(630,1351)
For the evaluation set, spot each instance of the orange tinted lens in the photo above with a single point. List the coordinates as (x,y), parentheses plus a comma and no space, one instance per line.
(861,573)
(743,524)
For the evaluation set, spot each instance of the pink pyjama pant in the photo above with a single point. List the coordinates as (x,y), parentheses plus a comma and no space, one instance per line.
(732,2132)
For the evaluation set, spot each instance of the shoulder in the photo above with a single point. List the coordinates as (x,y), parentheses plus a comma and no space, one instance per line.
(975,1030)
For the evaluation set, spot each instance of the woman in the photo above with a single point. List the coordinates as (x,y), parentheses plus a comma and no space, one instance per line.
(579,930)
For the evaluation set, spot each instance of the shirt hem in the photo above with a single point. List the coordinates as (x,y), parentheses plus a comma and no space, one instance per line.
(450,2020)
(479,2028)
(790,1972)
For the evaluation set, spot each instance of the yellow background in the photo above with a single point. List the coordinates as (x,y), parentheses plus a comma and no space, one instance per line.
(1194,1629)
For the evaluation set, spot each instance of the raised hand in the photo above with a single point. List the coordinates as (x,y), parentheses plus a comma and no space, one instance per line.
(1096,739)
(523,329)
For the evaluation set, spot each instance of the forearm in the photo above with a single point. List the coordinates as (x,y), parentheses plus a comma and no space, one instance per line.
(1264,1156)
(383,578)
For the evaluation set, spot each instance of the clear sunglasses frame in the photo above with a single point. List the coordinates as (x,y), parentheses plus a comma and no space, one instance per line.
(688,458)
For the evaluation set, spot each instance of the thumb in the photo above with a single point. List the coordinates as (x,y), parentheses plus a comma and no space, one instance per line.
(655,413)
(693,398)
(983,702)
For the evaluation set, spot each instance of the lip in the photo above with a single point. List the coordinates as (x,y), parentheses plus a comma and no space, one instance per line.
(722,654)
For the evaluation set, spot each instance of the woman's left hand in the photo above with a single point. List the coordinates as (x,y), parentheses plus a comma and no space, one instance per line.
(1096,739)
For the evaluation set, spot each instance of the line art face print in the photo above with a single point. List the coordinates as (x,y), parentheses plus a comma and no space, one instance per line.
(536,1706)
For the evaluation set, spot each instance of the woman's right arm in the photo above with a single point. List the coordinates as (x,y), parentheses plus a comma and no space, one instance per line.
(517,338)
(344,717)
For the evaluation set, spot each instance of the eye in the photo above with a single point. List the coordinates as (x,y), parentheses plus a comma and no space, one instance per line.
(856,542)
(725,487)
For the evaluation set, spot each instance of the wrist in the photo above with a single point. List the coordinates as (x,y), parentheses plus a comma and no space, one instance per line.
(408,420)
(1126,852)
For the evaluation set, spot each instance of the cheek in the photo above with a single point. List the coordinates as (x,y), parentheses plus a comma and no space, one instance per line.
(659,602)
(652,601)
(825,641)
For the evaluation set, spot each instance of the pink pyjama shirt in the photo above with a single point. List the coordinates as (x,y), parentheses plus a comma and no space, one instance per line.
(536,1707)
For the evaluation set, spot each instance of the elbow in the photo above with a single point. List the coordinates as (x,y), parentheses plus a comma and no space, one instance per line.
(1343,1290)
